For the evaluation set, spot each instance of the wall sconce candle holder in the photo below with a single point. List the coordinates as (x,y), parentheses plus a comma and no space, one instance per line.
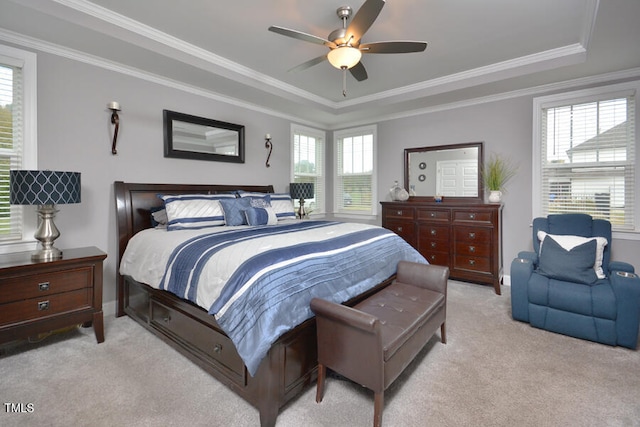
(268,145)
(115,120)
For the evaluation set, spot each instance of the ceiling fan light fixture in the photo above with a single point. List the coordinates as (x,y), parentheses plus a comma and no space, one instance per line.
(344,57)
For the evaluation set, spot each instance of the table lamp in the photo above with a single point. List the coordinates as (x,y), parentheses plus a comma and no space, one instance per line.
(301,190)
(45,189)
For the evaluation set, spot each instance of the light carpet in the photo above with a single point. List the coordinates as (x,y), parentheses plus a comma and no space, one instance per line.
(493,371)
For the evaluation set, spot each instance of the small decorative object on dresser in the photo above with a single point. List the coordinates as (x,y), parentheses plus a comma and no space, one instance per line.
(464,236)
(37,297)
(495,175)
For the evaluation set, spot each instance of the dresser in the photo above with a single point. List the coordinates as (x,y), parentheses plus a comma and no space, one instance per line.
(466,237)
(37,297)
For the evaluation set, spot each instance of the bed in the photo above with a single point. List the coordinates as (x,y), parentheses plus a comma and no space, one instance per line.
(289,362)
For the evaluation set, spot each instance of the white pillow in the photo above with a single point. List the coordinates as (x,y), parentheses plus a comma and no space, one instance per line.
(569,242)
(192,211)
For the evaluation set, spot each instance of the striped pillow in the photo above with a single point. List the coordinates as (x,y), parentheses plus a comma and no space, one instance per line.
(193,211)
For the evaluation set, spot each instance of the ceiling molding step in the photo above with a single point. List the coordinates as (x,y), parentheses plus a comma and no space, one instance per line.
(589,22)
(64,52)
(157,41)
(566,55)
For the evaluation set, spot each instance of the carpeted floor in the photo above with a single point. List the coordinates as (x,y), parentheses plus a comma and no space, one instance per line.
(493,372)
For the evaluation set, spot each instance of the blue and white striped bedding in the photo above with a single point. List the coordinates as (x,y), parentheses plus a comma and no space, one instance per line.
(258,281)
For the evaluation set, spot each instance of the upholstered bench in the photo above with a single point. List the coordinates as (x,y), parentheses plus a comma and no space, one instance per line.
(373,342)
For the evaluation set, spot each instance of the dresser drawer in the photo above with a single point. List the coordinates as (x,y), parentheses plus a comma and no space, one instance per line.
(479,264)
(432,245)
(473,249)
(472,235)
(473,216)
(44,284)
(437,258)
(215,345)
(398,212)
(429,232)
(434,215)
(47,305)
(404,229)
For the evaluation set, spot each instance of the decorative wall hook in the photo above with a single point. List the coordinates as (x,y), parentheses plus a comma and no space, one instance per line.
(269,145)
(115,120)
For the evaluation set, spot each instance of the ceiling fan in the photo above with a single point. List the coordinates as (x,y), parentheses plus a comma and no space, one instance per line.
(345,44)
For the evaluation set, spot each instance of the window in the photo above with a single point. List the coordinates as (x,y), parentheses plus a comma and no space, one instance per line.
(584,150)
(354,186)
(17,138)
(308,165)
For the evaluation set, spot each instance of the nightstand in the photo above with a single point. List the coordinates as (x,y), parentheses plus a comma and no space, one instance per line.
(37,297)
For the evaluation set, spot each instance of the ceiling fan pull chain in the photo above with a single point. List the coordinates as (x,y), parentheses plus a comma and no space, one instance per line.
(344,81)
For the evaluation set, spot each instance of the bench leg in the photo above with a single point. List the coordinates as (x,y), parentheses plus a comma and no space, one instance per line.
(322,373)
(378,406)
(443,334)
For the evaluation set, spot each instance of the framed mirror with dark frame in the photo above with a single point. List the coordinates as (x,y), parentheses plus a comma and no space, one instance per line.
(452,171)
(199,138)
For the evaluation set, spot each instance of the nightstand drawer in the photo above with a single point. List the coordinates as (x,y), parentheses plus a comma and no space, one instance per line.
(44,284)
(45,306)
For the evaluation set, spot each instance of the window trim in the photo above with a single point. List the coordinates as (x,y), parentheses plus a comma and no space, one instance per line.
(357,131)
(28,62)
(576,97)
(322,137)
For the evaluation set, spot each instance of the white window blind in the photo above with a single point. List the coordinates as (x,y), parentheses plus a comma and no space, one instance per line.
(355,171)
(11,145)
(308,165)
(587,158)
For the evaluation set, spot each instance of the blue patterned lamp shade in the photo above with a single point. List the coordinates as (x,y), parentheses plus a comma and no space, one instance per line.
(29,187)
(301,190)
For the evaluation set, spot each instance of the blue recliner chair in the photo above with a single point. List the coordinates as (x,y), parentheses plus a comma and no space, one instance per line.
(558,290)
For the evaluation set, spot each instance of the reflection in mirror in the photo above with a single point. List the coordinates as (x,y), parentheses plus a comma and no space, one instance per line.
(452,171)
(191,137)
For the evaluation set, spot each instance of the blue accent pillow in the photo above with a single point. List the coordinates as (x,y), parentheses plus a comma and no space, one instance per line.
(575,265)
(257,216)
(234,210)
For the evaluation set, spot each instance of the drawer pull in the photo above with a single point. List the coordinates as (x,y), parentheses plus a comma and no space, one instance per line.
(472,262)
(433,257)
(433,244)
(167,318)
(399,213)
(472,235)
(43,305)
(44,286)
(400,229)
(433,214)
(433,232)
(472,216)
(472,248)
(217,348)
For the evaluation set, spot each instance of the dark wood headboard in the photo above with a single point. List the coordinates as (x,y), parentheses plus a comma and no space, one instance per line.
(133,210)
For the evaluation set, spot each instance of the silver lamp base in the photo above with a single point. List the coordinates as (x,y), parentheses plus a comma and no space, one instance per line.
(46,234)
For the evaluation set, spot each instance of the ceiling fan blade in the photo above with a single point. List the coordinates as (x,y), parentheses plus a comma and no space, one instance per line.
(301,36)
(363,19)
(309,64)
(359,72)
(393,47)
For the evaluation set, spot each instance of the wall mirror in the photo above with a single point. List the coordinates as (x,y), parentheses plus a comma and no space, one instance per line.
(191,137)
(452,171)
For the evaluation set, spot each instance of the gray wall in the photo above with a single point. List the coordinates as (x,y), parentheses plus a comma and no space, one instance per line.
(74,134)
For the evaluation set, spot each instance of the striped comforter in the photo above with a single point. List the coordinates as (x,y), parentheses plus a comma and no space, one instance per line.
(258,281)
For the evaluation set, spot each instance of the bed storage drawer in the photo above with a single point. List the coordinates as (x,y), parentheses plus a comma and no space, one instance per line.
(216,347)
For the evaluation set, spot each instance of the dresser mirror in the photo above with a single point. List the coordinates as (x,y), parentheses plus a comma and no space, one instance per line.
(451,171)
